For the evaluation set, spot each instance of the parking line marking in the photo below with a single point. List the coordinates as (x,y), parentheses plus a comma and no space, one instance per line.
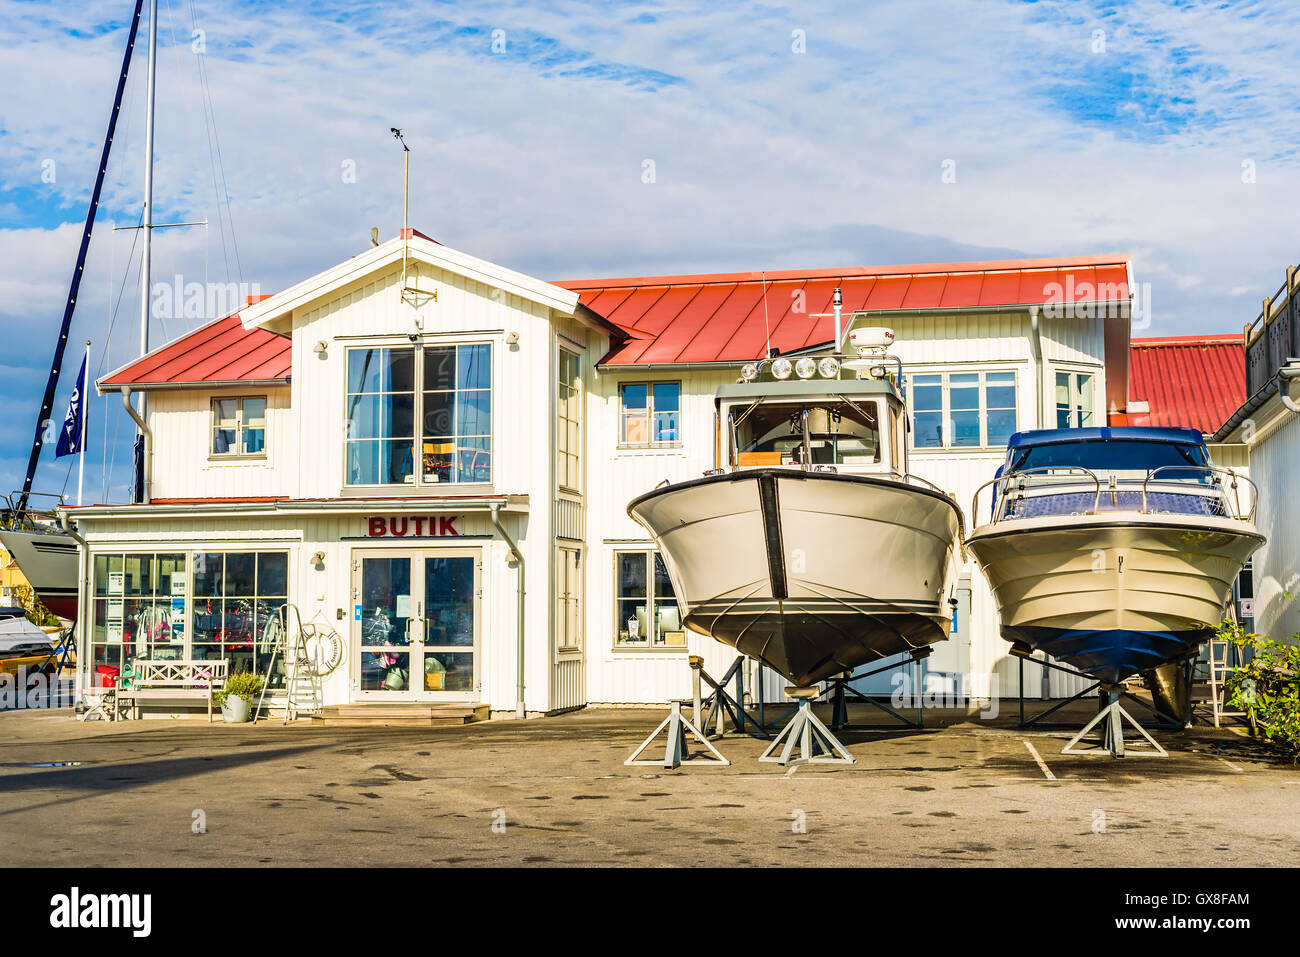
(1230,764)
(1042,765)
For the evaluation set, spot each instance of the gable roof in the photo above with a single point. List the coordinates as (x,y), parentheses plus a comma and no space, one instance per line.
(731,317)
(221,352)
(1188,381)
(419,248)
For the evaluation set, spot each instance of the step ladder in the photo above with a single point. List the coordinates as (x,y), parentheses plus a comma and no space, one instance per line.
(303,691)
(1221,655)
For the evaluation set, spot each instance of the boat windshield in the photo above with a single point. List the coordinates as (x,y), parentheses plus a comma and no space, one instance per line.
(1116,456)
(839,433)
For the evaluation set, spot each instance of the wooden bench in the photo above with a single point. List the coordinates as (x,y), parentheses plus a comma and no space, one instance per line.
(171,679)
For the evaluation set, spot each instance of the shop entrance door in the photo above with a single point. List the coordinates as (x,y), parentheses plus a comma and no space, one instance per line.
(416,625)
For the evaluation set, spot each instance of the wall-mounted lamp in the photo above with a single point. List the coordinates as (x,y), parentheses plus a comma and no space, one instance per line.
(512,339)
(320,347)
(318,559)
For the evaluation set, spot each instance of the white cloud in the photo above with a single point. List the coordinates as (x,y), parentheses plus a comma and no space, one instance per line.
(763,157)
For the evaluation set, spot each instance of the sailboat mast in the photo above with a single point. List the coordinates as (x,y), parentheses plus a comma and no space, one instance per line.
(146,253)
(51,383)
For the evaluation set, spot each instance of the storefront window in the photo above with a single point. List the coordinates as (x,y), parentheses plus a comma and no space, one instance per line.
(137,611)
(646,613)
(237,595)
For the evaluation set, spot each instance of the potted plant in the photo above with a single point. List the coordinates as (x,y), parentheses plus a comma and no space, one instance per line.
(237,696)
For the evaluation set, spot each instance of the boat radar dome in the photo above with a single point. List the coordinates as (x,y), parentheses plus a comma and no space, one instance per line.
(871,339)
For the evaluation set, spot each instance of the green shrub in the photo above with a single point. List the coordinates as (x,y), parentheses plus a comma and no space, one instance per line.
(242,684)
(1269,685)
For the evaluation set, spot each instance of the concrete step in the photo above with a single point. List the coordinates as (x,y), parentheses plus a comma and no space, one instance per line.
(402,715)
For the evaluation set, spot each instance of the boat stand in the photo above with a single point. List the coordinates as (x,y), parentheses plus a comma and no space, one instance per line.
(1162,720)
(1112,718)
(720,705)
(840,689)
(676,752)
(805,731)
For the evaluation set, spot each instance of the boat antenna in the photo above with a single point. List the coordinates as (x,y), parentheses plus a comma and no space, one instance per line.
(52,382)
(837,299)
(767,331)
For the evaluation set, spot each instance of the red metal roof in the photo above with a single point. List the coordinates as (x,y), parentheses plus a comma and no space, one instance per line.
(731,317)
(221,351)
(1193,382)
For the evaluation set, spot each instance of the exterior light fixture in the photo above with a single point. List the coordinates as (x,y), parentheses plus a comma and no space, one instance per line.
(829,367)
(749,372)
(805,368)
(781,368)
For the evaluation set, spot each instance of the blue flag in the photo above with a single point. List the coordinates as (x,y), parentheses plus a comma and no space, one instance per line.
(74,423)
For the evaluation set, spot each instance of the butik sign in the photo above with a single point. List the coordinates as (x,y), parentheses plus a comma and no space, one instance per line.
(419,526)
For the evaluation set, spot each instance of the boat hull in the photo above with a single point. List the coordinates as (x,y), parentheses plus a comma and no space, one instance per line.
(811,573)
(1113,595)
(49,562)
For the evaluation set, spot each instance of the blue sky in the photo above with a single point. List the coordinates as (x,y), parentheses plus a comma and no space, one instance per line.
(782,135)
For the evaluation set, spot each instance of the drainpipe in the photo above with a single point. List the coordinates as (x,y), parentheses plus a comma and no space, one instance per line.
(1036,352)
(1283,389)
(148,443)
(83,574)
(519,639)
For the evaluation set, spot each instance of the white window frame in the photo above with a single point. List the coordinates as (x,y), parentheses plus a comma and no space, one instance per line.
(946,411)
(418,480)
(238,445)
(568,428)
(650,415)
(1075,407)
(568,599)
(650,642)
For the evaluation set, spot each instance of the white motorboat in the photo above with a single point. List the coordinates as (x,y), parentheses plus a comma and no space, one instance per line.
(813,550)
(1113,549)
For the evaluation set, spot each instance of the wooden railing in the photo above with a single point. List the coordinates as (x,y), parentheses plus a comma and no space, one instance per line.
(1274,336)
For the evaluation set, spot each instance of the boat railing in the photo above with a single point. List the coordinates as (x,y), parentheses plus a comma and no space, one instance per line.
(1210,492)
(33,519)
(1002,486)
(1215,485)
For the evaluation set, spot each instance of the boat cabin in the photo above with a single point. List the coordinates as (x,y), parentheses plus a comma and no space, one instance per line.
(1084,471)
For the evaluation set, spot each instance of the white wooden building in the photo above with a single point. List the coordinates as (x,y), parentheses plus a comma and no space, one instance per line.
(400,444)
(1267,427)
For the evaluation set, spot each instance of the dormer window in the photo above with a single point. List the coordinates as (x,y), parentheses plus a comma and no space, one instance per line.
(239,427)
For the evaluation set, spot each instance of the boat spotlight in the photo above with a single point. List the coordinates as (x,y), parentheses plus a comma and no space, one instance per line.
(749,372)
(829,367)
(781,368)
(805,368)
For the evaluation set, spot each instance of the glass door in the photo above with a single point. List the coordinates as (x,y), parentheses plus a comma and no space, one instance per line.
(384,611)
(416,625)
(450,632)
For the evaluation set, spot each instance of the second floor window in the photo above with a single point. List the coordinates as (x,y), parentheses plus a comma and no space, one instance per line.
(568,425)
(1074,400)
(649,414)
(449,415)
(953,410)
(239,426)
